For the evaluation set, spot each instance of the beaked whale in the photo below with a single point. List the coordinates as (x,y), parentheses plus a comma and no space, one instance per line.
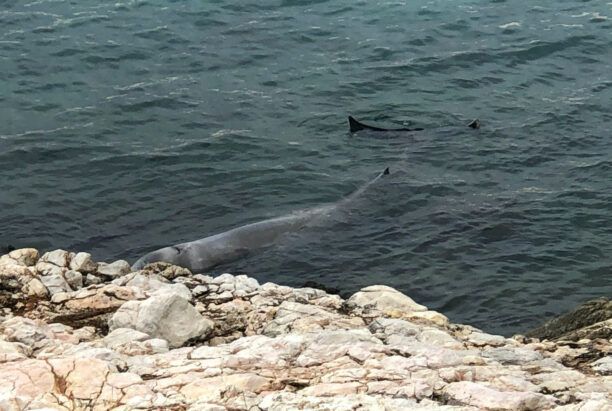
(355,126)
(206,253)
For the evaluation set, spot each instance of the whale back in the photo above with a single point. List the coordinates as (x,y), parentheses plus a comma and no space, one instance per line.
(203,254)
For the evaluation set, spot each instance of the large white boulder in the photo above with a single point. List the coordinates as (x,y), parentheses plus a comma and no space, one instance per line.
(166,315)
(384,298)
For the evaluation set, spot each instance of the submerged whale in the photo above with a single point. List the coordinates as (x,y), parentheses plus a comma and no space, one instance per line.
(355,126)
(206,253)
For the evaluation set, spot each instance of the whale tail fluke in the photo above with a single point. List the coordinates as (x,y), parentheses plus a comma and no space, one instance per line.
(364,187)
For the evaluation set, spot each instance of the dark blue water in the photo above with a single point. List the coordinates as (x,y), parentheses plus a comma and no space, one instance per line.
(126,126)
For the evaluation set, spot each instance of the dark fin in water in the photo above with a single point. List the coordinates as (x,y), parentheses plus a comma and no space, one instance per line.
(355,126)
(475,124)
(386,172)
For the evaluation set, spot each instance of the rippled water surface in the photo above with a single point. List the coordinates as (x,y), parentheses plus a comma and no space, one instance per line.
(130,125)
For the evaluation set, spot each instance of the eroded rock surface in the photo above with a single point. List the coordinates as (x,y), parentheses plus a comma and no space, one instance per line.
(164,338)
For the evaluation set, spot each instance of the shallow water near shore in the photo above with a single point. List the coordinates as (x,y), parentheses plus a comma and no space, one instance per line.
(133,125)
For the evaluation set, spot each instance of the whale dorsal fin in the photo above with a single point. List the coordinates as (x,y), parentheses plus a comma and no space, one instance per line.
(474,124)
(354,125)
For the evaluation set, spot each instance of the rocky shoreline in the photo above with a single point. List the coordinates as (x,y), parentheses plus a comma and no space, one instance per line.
(76,334)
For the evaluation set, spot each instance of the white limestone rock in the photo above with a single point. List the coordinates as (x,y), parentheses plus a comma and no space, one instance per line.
(122,336)
(307,318)
(438,337)
(167,315)
(383,298)
(12,351)
(431,316)
(393,326)
(83,263)
(45,268)
(179,289)
(512,355)
(60,258)
(327,345)
(200,290)
(603,366)
(74,279)
(55,284)
(152,284)
(25,256)
(35,288)
(115,269)
(484,397)
(26,331)
(91,279)
(481,339)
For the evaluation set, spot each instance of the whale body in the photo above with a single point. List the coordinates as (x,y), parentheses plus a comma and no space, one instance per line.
(206,253)
(355,126)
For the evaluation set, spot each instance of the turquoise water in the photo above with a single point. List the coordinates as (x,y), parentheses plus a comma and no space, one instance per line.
(132,125)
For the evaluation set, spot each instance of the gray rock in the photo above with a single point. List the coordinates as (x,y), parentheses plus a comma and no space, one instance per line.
(200,290)
(513,355)
(603,366)
(59,258)
(44,268)
(83,263)
(166,315)
(35,288)
(481,339)
(61,297)
(55,283)
(114,269)
(92,279)
(74,279)
(391,326)
(26,331)
(122,336)
(587,314)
